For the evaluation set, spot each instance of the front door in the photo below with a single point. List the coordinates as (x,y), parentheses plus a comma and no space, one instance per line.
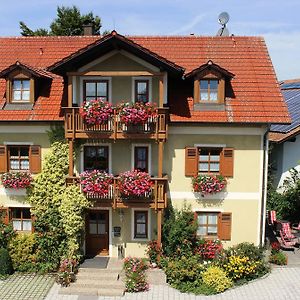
(97,233)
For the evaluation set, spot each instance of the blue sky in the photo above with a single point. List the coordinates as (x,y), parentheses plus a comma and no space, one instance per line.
(277,21)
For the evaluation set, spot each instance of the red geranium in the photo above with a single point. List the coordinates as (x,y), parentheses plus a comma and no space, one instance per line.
(16,180)
(209,184)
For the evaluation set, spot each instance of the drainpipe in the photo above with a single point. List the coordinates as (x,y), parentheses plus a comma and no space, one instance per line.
(264,187)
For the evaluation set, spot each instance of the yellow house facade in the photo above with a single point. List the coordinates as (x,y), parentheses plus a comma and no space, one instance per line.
(212,119)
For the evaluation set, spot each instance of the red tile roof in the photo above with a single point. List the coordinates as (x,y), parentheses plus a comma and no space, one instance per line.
(257,94)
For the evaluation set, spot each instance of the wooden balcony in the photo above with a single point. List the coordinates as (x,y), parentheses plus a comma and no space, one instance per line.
(156,199)
(155,128)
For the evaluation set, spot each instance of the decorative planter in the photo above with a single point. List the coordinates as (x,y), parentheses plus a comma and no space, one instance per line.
(16,180)
(208,184)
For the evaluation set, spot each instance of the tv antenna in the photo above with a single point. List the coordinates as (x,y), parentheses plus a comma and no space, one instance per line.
(223,20)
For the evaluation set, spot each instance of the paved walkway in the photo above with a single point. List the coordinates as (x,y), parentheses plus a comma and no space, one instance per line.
(283,283)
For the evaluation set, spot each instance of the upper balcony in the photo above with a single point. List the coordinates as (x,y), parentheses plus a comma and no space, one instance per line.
(155,128)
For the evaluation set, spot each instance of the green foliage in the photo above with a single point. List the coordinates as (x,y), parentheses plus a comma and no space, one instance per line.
(6,267)
(215,278)
(45,198)
(278,258)
(56,134)
(179,232)
(246,249)
(72,209)
(6,232)
(153,251)
(69,21)
(135,277)
(22,250)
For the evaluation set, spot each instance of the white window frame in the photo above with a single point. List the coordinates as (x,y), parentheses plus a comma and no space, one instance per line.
(149,78)
(148,225)
(96,144)
(149,156)
(83,78)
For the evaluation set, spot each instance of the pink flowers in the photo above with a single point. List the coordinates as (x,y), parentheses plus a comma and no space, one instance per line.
(135,183)
(96,182)
(208,184)
(136,113)
(96,112)
(208,249)
(16,180)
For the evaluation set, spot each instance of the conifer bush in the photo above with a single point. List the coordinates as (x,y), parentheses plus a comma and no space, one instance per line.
(6,267)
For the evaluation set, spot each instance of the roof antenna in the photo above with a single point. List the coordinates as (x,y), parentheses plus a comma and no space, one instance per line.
(223,20)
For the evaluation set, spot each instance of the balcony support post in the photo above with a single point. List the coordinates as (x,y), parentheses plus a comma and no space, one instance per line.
(71,157)
(160,158)
(159,223)
(70,91)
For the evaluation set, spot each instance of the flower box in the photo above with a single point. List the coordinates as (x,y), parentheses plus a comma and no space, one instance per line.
(208,184)
(96,112)
(136,113)
(96,183)
(16,180)
(135,184)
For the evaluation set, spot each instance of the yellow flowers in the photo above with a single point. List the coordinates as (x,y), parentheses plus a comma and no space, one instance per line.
(240,266)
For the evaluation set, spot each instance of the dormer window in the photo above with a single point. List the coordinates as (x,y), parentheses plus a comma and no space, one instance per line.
(20,90)
(209,90)
(142,91)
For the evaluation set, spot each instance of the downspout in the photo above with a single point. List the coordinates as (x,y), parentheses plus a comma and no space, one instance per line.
(264,187)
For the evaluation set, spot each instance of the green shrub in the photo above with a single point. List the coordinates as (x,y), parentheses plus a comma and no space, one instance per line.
(278,258)
(135,277)
(246,249)
(153,251)
(22,250)
(6,267)
(179,232)
(6,234)
(215,278)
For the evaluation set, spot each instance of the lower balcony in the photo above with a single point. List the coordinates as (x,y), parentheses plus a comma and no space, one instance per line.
(156,198)
(155,127)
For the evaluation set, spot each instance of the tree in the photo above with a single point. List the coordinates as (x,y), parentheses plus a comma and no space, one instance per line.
(69,21)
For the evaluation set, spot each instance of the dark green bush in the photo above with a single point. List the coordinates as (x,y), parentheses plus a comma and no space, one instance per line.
(278,258)
(6,267)
(246,249)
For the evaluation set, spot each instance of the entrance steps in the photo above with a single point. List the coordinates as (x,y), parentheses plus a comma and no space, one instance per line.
(93,281)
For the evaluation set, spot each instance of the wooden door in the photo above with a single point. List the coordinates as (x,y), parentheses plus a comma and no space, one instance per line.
(97,230)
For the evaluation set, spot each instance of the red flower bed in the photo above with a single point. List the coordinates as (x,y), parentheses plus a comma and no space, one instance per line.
(96,182)
(208,249)
(135,183)
(136,113)
(16,180)
(209,184)
(96,112)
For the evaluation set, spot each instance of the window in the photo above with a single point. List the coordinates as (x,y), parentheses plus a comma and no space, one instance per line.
(209,90)
(96,89)
(21,219)
(96,158)
(140,224)
(21,90)
(98,222)
(213,225)
(209,160)
(141,91)
(141,158)
(207,224)
(18,158)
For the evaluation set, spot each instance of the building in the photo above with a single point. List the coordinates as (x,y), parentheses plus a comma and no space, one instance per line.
(216,97)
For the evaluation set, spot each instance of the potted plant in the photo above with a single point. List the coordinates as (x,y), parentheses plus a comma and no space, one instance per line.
(136,115)
(96,112)
(135,183)
(96,182)
(16,180)
(208,184)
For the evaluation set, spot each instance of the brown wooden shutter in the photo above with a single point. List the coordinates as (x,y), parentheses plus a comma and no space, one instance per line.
(4,215)
(191,161)
(227,162)
(224,226)
(3,159)
(35,159)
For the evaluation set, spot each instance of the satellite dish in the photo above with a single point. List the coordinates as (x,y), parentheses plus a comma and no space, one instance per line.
(223,18)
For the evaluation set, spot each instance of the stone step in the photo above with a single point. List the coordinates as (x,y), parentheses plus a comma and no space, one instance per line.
(111,292)
(111,286)
(99,276)
(74,290)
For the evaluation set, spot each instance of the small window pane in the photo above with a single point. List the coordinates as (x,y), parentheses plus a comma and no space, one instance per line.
(93,228)
(142,98)
(215,158)
(90,89)
(213,84)
(204,95)
(101,229)
(203,167)
(204,157)
(17,95)
(17,225)
(102,89)
(26,84)
(142,88)
(201,219)
(26,213)
(17,84)
(203,85)
(141,218)
(25,95)
(212,219)
(213,96)
(14,164)
(201,230)
(215,167)
(16,213)
(93,216)
(24,152)
(14,151)
(212,230)
(27,225)
(141,229)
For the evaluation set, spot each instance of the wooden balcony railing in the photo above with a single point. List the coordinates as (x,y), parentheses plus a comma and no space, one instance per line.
(155,127)
(156,199)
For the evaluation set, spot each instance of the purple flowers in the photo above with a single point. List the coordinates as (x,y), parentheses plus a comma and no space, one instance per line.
(208,184)
(16,180)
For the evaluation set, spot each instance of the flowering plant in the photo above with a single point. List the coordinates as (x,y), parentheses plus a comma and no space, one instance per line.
(16,180)
(96,182)
(275,247)
(135,277)
(135,183)
(96,112)
(208,184)
(66,272)
(208,249)
(154,250)
(136,113)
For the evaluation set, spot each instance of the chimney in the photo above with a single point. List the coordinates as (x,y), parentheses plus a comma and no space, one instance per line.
(88,29)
